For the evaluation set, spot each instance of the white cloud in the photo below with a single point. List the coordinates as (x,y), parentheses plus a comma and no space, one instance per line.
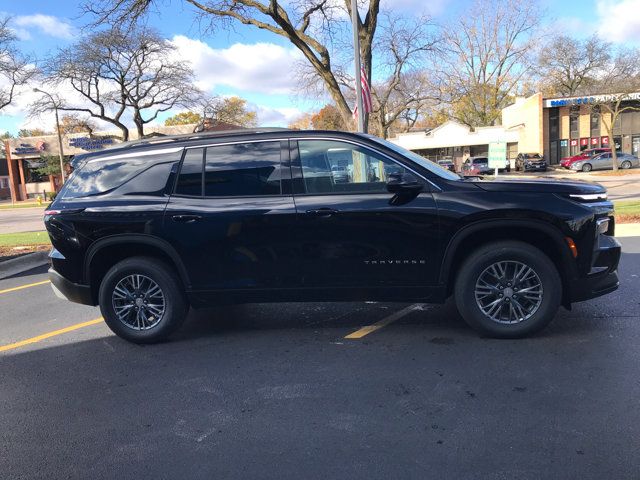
(47,24)
(275,117)
(260,67)
(619,20)
(434,8)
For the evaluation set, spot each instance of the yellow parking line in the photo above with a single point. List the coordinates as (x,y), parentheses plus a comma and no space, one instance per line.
(384,322)
(7,290)
(44,336)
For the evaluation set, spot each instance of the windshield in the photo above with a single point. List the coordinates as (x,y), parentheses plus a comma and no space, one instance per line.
(423,162)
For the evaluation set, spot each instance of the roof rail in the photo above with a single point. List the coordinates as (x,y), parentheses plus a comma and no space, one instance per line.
(192,136)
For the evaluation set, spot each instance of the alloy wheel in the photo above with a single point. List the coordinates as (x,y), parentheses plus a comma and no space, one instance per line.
(508,292)
(138,302)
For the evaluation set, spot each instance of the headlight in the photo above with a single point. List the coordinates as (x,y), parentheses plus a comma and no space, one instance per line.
(602,225)
(576,164)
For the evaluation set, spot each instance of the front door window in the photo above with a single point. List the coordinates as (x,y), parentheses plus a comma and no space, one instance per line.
(337,167)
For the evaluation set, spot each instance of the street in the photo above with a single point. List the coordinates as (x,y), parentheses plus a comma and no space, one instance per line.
(21,220)
(277,391)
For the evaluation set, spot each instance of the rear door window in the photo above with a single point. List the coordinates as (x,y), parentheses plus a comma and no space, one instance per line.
(190,178)
(243,169)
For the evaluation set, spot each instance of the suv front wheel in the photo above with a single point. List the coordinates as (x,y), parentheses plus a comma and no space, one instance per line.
(508,290)
(141,301)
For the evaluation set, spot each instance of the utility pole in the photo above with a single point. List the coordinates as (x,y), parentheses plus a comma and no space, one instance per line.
(356,51)
(60,152)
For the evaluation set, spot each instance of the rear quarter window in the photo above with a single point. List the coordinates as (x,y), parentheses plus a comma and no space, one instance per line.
(105,175)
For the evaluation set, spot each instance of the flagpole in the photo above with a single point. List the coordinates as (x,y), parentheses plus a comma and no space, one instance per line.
(356,50)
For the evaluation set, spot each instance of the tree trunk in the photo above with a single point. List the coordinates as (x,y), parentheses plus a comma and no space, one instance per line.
(614,154)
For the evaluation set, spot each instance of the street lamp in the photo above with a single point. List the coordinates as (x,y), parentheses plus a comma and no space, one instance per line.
(60,152)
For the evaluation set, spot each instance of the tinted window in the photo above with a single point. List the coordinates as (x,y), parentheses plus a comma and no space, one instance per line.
(244,169)
(152,181)
(190,178)
(105,174)
(336,167)
(480,160)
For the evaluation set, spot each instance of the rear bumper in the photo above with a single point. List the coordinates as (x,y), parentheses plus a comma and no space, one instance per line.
(74,292)
(603,277)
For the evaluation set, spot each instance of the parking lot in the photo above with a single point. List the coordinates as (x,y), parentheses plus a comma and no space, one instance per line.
(277,391)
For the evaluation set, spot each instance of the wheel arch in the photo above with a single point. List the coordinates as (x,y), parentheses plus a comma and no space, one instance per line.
(106,252)
(545,237)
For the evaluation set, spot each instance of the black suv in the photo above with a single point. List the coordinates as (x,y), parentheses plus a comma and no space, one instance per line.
(148,229)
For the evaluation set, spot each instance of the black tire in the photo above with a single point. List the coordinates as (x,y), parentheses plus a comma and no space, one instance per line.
(173,300)
(625,165)
(587,167)
(519,253)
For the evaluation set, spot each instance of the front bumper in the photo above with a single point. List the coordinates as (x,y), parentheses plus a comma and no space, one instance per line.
(535,167)
(74,292)
(603,277)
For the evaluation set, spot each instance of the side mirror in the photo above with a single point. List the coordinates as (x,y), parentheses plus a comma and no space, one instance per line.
(404,184)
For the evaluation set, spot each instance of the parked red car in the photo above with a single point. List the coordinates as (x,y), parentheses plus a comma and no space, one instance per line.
(584,155)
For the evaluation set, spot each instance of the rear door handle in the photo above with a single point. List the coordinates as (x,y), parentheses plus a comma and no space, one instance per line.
(186,218)
(322,212)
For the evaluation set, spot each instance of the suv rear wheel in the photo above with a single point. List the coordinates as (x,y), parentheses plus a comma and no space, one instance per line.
(508,290)
(141,301)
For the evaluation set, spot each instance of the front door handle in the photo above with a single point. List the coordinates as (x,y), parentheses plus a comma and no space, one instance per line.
(322,212)
(186,218)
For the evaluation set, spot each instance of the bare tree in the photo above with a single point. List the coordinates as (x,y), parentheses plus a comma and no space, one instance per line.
(154,81)
(310,25)
(116,72)
(568,66)
(487,54)
(404,46)
(15,69)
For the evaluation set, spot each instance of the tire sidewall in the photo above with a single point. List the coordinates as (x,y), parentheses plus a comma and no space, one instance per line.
(175,305)
(530,256)
(587,167)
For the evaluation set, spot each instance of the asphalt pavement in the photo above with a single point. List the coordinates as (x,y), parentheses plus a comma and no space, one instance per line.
(277,391)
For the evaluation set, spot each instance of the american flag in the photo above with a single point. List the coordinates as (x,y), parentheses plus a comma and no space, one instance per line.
(366,94)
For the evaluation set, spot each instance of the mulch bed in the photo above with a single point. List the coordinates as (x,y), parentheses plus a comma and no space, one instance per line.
(8,253)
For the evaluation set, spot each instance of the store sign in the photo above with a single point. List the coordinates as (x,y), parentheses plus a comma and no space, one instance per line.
(605,140)
(594,141)
(89,143)
(584,142)
(574,143)
(595,99)
(29,149)
(571,101)
(497,154)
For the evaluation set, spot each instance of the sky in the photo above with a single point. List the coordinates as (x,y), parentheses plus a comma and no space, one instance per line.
(256,64)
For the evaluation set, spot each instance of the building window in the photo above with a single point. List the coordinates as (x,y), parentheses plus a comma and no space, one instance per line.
(554,124)
(574,126)
(595,124)
(564,148)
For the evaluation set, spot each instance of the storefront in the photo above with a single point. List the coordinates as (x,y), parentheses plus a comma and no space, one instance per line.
(456,142)
(574,124)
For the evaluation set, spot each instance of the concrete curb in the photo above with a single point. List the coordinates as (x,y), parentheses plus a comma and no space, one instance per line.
(23,263)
